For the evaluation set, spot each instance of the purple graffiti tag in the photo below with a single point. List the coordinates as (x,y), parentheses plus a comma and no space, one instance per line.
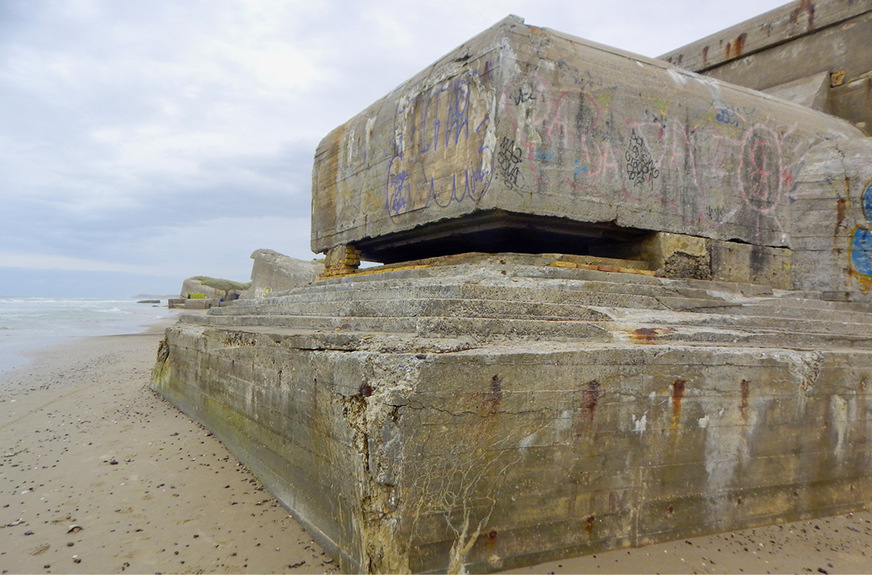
(445,125)
(398,191)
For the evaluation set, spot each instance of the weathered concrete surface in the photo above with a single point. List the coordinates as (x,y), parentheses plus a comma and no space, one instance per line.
(832,227)
(801,40)
(487,410)
(202,287)
(497,411)
(273,272)
(812,92)
(527,139)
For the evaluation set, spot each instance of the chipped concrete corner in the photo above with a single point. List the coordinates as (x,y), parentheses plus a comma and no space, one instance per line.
(608,317)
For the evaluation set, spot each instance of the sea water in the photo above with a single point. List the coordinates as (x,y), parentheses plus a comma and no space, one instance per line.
(30,324)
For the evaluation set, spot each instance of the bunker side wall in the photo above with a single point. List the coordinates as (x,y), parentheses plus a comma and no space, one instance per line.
(501,457)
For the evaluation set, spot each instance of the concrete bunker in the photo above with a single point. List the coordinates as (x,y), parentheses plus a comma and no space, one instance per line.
(530,140)
(479,411)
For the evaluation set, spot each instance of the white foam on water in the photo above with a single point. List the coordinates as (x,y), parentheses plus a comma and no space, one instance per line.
(31,324)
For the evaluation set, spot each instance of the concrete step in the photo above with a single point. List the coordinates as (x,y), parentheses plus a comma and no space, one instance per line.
(483,328)
(432,307)
(552,299)
(693,313)
(609,282)
(480,286)
(815,326)
(656,334)
(643,326)
(584,294)
(490,299)
(802,309)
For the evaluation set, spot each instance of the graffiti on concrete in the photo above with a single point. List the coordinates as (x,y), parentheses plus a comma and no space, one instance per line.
(861,243)
(571,140)
(731,115)
(441,146)
(760,172)
(640,165)
(508,159)
(548,120)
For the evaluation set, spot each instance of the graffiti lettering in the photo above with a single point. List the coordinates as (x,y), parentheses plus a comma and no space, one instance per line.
(448,126)
(472,187)
(398,191)
(727,116)
(508,158)
(524,95)
(730,115)
(640,165)
(571,139)
(563,119)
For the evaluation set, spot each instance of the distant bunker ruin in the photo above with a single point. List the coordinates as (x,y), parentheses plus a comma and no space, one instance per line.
(621,303)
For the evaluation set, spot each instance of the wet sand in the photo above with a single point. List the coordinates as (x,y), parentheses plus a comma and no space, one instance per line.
(840,544)
(100,475)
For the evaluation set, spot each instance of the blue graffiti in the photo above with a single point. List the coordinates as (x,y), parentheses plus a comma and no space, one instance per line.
(867,202)
(450,120)
(731,115)
(398,191)
(861,244)
(727,116)
(861,251)
(581,169)
(544,156)
(474,185)
(443,112)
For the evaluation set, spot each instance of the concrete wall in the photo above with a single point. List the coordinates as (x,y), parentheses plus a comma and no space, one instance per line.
(524,120)
(490,449)
(832,227)
(814,51)
(273,272)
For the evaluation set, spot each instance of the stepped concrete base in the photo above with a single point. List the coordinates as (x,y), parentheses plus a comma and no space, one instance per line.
(681,408)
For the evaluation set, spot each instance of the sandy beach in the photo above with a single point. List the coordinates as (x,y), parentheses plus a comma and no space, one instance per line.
(100,475)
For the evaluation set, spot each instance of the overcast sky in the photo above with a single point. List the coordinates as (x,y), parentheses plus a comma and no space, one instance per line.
(146,141)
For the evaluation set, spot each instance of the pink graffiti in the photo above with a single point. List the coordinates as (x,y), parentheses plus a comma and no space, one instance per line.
(568,119)
(760,174)
(571,141)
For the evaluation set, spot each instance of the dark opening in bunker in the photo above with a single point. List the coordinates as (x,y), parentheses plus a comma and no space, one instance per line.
(497,231)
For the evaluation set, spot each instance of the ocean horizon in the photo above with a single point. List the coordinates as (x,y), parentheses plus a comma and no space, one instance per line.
(31,324)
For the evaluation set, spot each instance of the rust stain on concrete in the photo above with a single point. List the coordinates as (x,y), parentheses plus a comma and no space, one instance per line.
(677,396)
(649,334)
(740,43)
(590,396)
(807,7)
(745,390)
(493,396)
